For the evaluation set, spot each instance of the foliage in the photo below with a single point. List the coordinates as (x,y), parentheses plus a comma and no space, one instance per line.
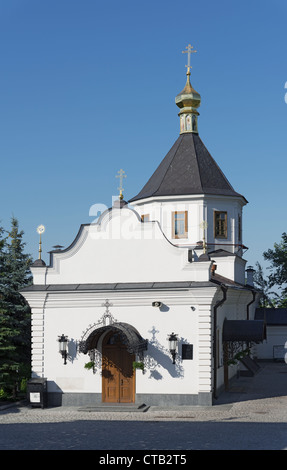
(278,260)
(14,311)
(238,356)
(3,394)
(138,365)
(90,365)
(278,276)
(263,285)
(23,385)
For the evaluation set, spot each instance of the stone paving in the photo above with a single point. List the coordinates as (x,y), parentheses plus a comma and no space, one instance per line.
(251,415)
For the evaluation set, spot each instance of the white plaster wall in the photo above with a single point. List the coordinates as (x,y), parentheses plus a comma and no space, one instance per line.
(121,249)
(230,267)
(72,313)
(161,375)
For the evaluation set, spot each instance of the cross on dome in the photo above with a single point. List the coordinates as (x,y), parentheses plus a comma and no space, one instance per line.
(189,51)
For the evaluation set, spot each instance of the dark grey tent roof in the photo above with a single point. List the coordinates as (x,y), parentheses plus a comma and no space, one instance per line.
(188,168)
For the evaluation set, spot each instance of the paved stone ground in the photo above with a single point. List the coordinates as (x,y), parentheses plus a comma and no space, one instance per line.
(251,415)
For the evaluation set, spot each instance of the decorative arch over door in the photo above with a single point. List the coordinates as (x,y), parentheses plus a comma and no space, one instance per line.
(119,343)
(135,344)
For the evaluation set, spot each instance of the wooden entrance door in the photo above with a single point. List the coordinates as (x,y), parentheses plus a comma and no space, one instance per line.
(118,377)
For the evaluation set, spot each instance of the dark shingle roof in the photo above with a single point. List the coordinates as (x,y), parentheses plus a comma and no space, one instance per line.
(188,168)
(272,316)
(244,330)
(128,286)
(116,286)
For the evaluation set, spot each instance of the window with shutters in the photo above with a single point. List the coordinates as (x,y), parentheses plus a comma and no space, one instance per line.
(220,224)
(179,224)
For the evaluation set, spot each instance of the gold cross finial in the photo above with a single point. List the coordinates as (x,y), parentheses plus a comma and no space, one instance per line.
(203,226)
(40,230)
(189,50)
(121,175)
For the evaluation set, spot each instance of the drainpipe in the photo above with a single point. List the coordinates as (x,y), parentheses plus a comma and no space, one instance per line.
(252,301)
(247,308)
(218,304)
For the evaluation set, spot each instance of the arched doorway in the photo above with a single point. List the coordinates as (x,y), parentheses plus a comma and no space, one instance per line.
(118,376)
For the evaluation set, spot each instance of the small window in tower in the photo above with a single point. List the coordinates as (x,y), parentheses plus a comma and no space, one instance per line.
(179,224)
(220,224)
(145,218)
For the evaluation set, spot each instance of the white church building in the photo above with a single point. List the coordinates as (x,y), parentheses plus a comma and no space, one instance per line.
(150,302)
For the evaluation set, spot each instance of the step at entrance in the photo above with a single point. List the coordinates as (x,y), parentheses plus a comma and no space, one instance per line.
(112,408)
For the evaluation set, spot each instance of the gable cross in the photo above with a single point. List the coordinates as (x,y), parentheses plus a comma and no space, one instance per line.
(121,175)
(203,226)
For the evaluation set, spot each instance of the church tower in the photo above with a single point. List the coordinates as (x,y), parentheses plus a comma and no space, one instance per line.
(190,196)
(188,101)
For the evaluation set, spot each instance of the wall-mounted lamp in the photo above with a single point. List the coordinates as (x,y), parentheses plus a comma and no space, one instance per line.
(172,345)
(192,308)
(63,346)
(157,303)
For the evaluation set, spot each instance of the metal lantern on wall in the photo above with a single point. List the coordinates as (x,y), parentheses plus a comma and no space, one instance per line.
(172,345)
(63,347)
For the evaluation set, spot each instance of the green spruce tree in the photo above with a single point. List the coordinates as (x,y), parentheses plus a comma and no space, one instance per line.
(278,277)
(14,311)
(268,297)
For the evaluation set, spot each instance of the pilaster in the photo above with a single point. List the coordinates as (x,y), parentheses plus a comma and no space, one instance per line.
(37,302)
(204,349)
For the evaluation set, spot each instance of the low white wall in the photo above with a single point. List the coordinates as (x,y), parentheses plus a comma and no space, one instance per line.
(276,336)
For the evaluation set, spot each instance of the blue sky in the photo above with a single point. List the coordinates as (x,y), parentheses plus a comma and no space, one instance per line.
(88,87)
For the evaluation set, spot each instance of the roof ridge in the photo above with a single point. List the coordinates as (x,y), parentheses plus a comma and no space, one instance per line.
(197,162)
(179,140)
(153,177)
(214,161)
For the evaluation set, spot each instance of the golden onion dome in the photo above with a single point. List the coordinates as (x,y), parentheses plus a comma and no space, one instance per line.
(188,97)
